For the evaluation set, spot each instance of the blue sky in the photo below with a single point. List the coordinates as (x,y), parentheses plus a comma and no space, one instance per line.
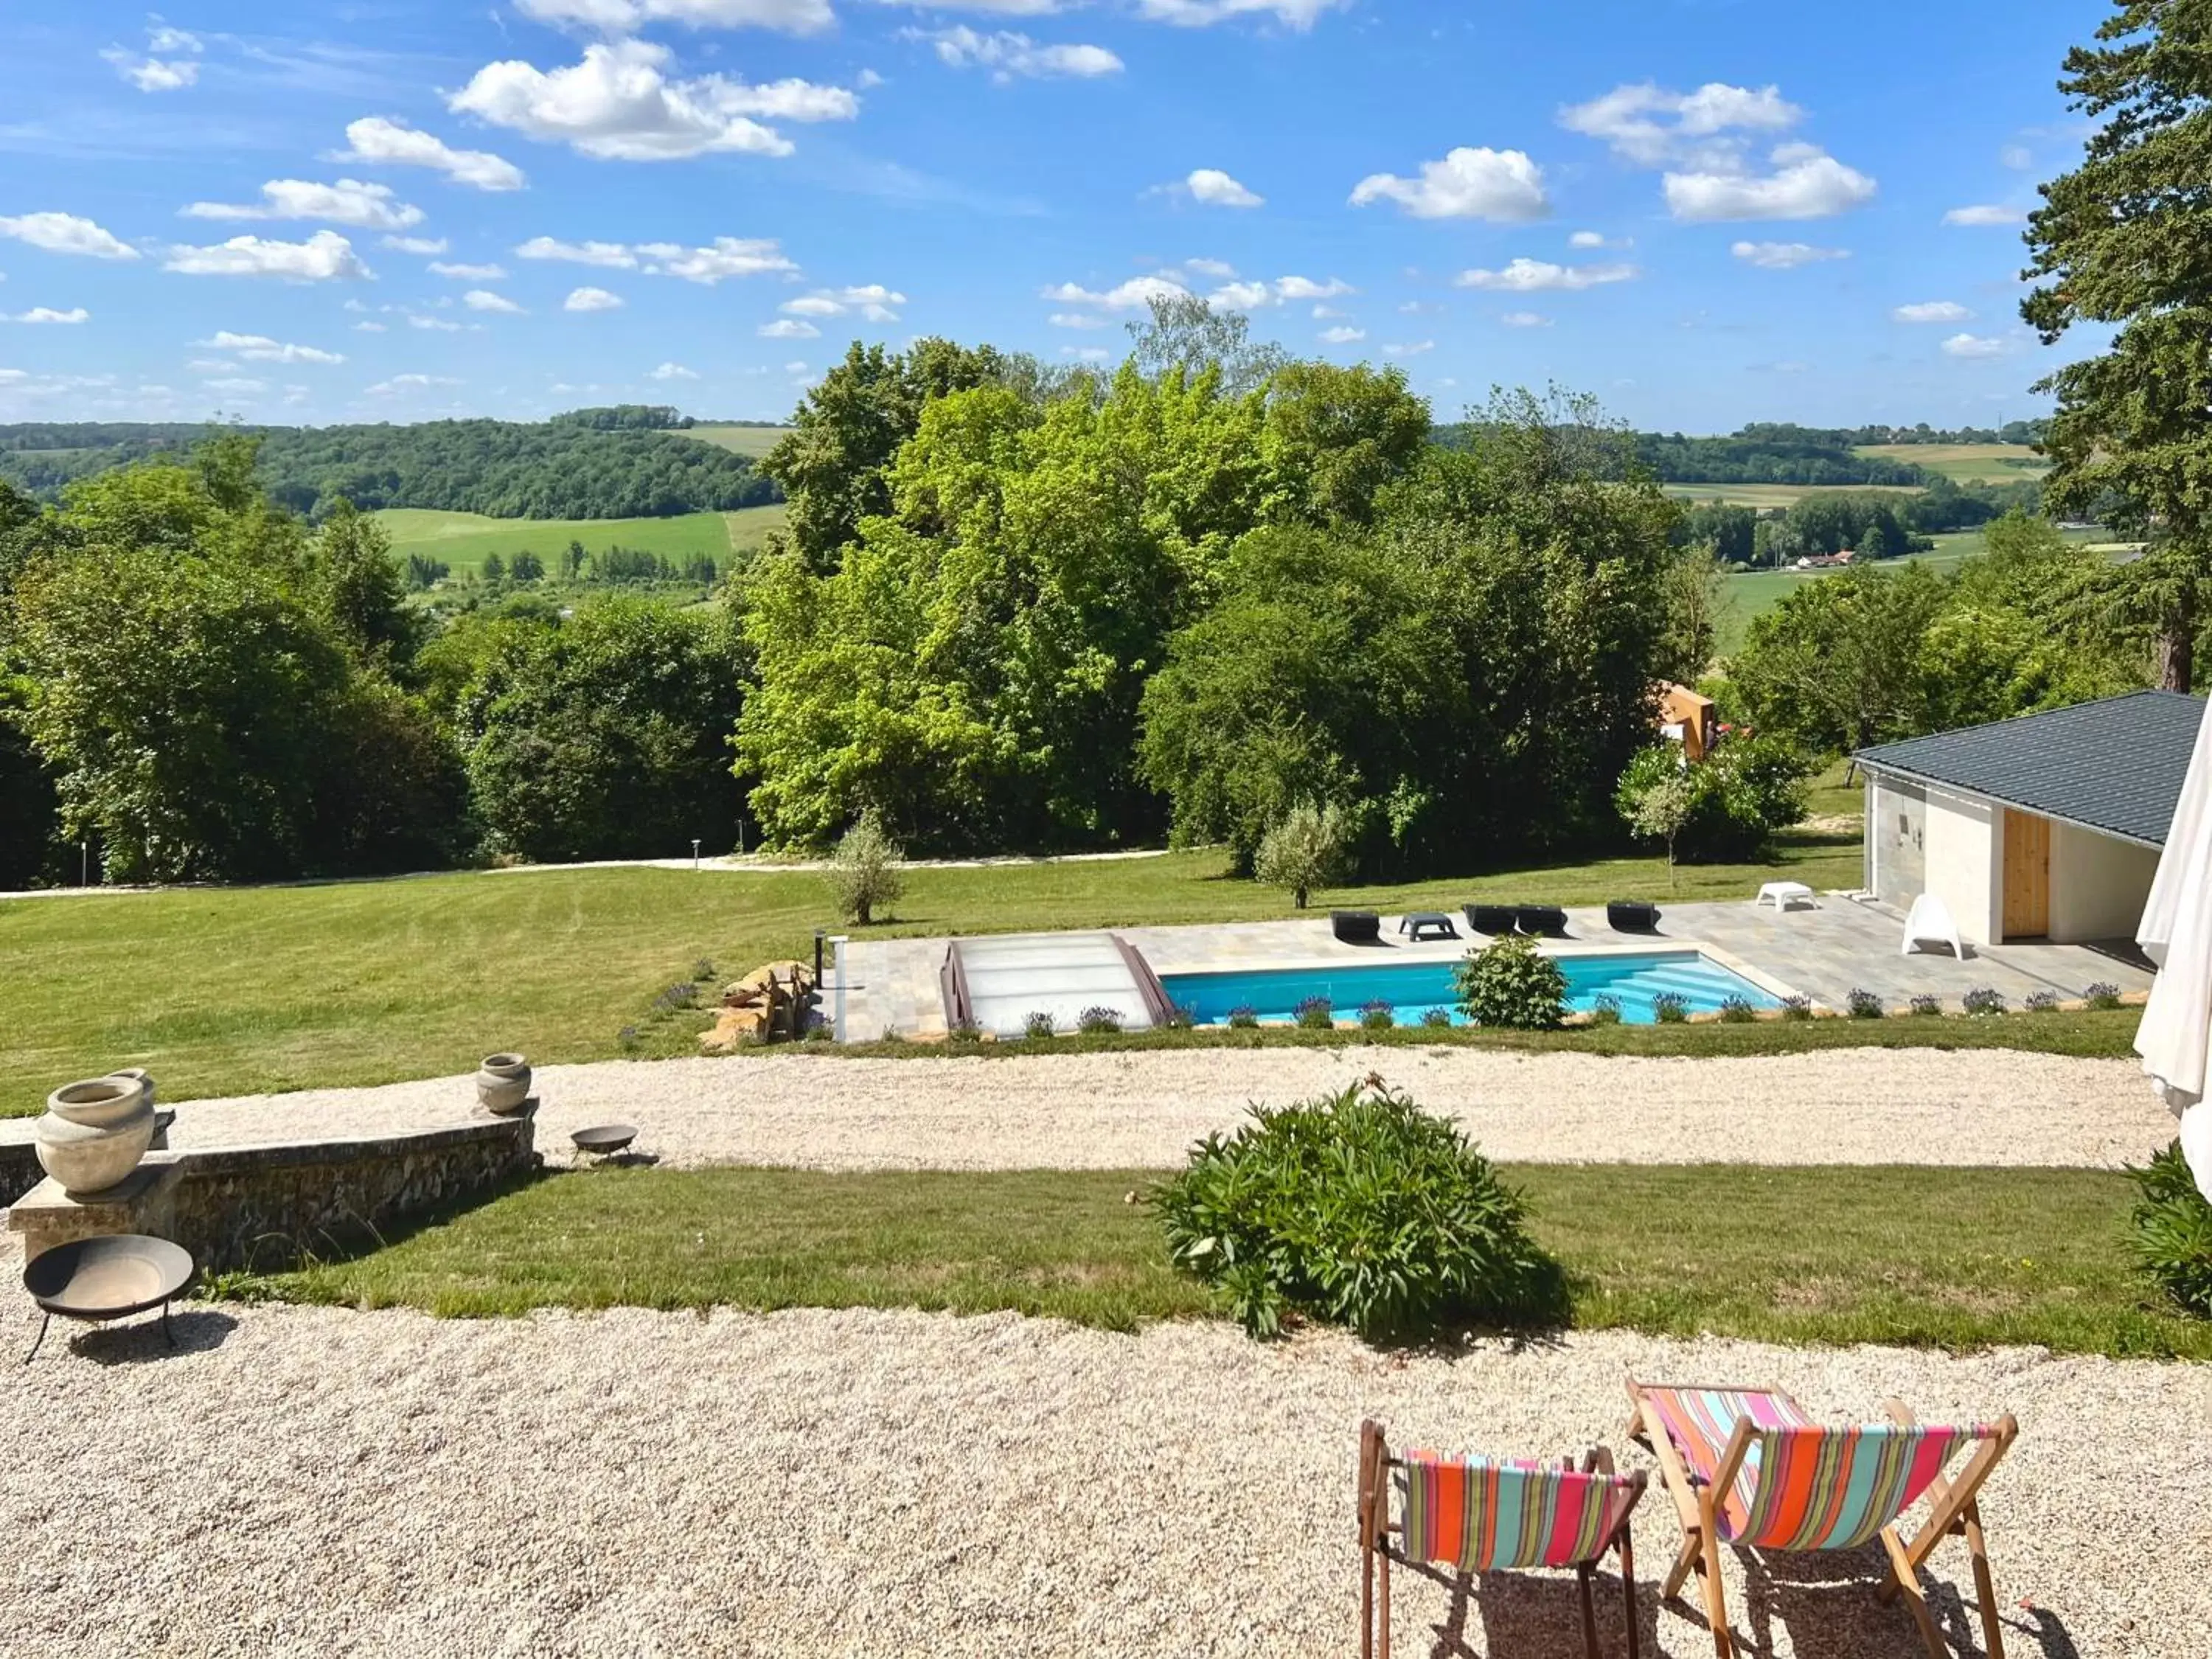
(1704,211)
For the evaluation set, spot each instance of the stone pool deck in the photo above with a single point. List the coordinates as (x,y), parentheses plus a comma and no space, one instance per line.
(1824,951)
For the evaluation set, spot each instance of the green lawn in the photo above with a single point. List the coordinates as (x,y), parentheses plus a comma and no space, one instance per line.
(750,441)
(463,540)
(232,990)
(1955,1258)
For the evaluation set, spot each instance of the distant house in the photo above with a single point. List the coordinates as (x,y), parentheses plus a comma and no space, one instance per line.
(2047,826)
(1687,719)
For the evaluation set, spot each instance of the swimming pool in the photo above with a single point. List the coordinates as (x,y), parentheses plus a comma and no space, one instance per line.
(1412,989)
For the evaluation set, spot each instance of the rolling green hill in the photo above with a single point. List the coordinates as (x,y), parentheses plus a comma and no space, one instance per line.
(751,441)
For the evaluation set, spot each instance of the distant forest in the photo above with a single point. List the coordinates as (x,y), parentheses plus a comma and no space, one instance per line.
(1778,453)
(631,462)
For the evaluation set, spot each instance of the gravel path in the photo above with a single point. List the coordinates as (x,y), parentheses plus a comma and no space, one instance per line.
(318,1481)
(1142,1111)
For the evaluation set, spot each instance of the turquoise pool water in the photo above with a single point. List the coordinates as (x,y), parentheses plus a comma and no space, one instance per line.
(1412,989)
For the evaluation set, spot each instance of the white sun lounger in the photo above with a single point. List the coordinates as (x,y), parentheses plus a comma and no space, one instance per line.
(1930,923)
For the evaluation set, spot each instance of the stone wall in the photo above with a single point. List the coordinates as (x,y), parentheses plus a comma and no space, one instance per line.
(19,1168)
(270,1206)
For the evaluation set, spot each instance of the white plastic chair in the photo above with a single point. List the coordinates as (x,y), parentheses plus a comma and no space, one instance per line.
(1930,923)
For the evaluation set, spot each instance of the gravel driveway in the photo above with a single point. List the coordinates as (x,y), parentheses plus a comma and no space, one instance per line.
(1142,1111)
(318,1481)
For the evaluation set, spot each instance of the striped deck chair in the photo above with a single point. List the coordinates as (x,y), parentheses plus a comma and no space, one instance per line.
(1750,1468)
(1484,1516)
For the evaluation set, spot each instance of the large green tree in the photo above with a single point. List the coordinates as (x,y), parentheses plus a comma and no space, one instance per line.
(2125,239)
(602,734)
(187,683)
(833,463)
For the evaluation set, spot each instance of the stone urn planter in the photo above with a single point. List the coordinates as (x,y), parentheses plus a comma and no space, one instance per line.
(94,1132)
(503,1084)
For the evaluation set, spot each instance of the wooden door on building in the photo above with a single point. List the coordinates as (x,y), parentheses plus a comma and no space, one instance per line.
(2026,875)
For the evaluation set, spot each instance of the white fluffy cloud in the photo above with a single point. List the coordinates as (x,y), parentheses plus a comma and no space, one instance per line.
(403,383)
(416,244)
(1587,238)
(1806,183)
(433,325)
(1342,335)
(1132,296)
(1987,213)
(1008,55)
(170,61)
(374,138)
(1784,256)
(324,257)
(260,348)
(1412,350)
(624,17)
(592,299)
(348,201)
(65,232)
(482,299)
(619,105)
(461,273)
(1652,125)
(1212,187)
(728,256)
(1251,295)
(1074,320)
(1704,139)
(788,328)
(1536,276)
(1524,319)
(872,300)
(46,314)
(1502,185)
(1201,13)
(1216,268)
(615,256)
(1932,311)
(1975,345)
(674,372)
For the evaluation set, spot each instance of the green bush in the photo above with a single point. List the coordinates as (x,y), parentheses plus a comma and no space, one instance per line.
(1508,982)
(2172,1237)
(1311,848)
(1356,1209)
(1740,795)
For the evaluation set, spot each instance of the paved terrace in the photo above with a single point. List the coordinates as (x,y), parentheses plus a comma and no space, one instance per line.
(1824,952)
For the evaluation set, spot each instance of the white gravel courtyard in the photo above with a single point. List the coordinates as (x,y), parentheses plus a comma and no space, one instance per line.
(313,1481)
(1144,1110)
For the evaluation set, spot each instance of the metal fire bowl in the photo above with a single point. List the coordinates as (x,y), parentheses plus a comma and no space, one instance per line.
(108,1277)
(605,1138)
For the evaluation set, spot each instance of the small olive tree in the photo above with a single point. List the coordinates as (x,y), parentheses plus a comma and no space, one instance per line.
(1657,801)
(1307,849)
(865,869)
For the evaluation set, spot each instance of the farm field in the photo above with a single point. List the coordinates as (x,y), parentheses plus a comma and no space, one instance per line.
(465,540)
(1752,594)
(1967,463)
(753,440)
(1773,496)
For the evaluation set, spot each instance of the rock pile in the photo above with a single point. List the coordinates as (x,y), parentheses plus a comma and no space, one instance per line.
(774,1001)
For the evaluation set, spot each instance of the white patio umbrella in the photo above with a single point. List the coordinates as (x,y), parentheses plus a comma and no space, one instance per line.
(2176,932)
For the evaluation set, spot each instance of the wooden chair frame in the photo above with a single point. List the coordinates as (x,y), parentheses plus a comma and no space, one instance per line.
(1375,1551)
(1954,1509)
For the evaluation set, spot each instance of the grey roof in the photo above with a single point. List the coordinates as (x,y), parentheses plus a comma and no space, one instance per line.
(2115,765)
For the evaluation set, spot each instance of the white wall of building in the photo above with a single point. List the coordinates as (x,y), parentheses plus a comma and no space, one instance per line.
(1896,840)
(1966,862)
(2097,885)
